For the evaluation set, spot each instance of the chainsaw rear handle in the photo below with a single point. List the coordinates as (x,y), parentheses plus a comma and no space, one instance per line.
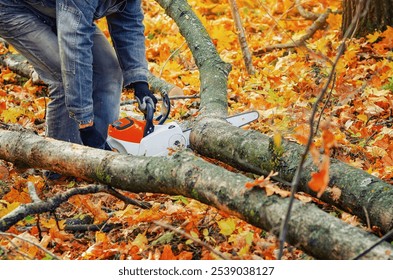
(149,116)
(165,108)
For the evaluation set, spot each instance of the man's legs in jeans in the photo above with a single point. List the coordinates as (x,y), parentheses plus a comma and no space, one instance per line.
(35,39)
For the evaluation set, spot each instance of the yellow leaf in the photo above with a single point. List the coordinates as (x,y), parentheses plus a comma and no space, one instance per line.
(227,226)
(140,241)
(194,234)
(51,223)
(371,38)
(12,114)
(277,140)
(10,76)
(101,237)
(225,38)
(377,151)
(6,207)
(362,117)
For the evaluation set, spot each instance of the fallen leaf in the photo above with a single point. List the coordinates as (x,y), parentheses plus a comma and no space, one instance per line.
(167,253)
(227,226)
(319,180)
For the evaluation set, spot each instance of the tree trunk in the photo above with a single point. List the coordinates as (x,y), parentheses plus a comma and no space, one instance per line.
(316,232)
(378,15)
(361,193)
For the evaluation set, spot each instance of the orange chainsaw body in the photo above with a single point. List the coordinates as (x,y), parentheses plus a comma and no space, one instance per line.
(127,129)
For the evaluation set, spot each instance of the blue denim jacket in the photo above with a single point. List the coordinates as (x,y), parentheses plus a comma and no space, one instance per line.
(75,30)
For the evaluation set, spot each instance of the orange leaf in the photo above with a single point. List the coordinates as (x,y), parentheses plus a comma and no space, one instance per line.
(14,196)
(167,253)
(4,173)
(99,214)
(328,140)
(320,179)
(301,138)
(185,255)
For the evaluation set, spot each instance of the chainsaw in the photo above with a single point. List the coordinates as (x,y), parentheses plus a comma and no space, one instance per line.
(130,135)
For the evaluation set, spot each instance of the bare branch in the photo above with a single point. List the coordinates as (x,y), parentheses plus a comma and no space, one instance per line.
(242,37)
(40,206)
(319,23)
(32,243)
(304,13)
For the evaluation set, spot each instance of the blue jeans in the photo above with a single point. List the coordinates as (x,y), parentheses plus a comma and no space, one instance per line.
(83,71)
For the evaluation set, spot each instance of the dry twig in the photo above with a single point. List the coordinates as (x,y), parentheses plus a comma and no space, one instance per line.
(242,38)
(319,23)
(32,243)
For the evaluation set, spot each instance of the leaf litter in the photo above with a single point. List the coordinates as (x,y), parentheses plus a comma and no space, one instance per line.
(283,89)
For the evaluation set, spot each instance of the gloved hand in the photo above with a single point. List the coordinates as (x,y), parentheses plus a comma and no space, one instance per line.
(143,95)
(92,138)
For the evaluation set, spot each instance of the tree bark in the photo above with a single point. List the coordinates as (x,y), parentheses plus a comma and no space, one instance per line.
(212,70)
(316,232)
(378,15)
(19,65)
(361,193)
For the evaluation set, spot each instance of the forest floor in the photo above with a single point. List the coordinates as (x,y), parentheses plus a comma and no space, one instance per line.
(283,89)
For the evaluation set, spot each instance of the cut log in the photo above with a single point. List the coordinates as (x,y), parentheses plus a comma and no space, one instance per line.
(361,193)
(316,232)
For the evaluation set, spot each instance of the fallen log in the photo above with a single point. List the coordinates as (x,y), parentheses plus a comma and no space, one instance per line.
(316,232)
(360,193)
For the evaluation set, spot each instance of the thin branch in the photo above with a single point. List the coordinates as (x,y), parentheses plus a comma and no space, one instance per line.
(50,205)
(33,193)
(54,202)
(242,38)
(296,178)
(32,243)
(103,227)
(367,217)
(319,23)
(127,200)
(326,103)
(304,13)
(169,58)
(17,248)
(130,102)
(196,240)
(384,238)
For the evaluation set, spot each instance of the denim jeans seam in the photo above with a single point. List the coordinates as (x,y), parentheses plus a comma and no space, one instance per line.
(72,40)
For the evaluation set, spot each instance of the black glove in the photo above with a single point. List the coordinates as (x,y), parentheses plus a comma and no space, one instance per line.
(143,95)
(92,138)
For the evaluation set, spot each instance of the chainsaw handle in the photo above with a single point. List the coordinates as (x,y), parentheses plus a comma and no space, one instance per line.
(165,109)
(149,116)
